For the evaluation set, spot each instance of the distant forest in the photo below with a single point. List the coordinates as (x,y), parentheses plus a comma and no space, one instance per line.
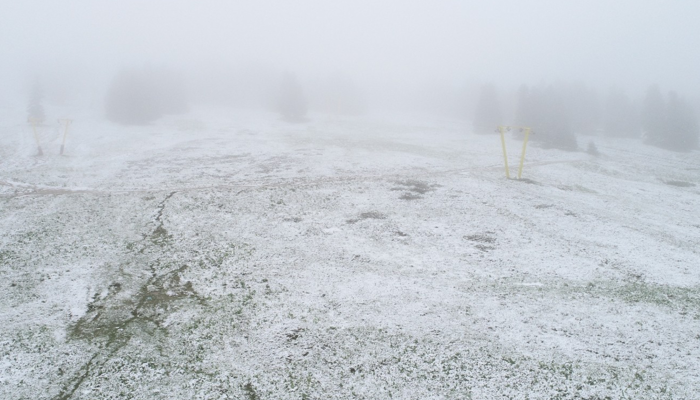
(557,113)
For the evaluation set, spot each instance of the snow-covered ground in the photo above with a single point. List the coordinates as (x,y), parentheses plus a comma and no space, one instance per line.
(229,254)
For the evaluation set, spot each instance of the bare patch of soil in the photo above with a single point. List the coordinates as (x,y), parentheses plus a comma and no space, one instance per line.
(367,215)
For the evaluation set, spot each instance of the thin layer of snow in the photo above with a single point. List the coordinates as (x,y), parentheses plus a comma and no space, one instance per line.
(229,254)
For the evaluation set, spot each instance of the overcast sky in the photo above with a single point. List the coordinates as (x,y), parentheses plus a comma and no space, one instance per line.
(629,43)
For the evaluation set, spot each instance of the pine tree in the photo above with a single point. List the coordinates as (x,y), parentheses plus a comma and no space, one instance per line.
(487,116)
(670,124)
(592,149)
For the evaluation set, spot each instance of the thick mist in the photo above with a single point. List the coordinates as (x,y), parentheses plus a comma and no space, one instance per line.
(358,55)
(349,199)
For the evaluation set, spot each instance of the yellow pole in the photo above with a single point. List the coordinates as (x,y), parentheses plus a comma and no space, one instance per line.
(65,133)
(36,136)
(522,156)
(505,156)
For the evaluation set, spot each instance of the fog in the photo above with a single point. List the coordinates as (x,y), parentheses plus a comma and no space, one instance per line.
(397,53)
(327,199)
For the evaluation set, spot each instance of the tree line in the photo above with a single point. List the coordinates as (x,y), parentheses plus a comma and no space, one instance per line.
(557,113)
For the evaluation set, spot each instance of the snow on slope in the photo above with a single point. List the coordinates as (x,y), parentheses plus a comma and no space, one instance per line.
(229,254)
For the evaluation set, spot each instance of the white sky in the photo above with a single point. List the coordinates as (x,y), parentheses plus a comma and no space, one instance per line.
(615,42)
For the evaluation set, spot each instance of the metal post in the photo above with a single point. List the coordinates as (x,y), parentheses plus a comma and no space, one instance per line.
(505,156)
(522,156)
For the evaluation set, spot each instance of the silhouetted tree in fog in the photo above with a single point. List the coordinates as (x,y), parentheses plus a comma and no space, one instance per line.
(138,97)
(487,115)
(621,116)
(35,109)
(672,125)
(291,102)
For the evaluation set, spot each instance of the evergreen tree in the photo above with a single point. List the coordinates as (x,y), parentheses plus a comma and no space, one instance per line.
(487,115)
(671,125)
(592,149)
(35,109)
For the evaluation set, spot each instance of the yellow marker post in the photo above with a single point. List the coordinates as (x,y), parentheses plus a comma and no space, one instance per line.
(505,156)
(65,132)
(522,156)
(36,136)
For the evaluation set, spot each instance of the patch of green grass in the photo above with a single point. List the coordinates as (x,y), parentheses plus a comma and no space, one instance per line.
(683,299)
(662,295)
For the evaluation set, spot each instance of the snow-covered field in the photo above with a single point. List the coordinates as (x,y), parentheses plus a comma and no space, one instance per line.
(231,255)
